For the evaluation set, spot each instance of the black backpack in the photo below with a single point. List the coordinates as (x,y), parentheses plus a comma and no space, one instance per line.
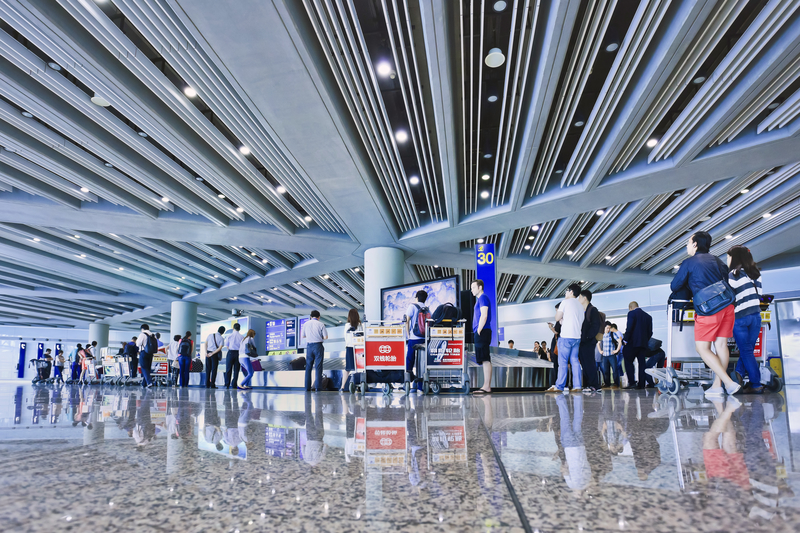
(184,348)
(446,312)
(152,344)
(298,364)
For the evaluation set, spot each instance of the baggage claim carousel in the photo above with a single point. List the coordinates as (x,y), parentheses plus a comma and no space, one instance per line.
(513,370)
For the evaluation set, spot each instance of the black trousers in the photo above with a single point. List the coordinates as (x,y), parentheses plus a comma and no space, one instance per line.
(631,353)
(134,365)
(232,368)
(588,364)
(212,364)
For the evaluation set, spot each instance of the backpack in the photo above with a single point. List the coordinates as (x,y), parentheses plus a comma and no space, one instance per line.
(298,364)
(130,350)
(422,321)
(446,312)
(184,348)
(602,330)
(151,347)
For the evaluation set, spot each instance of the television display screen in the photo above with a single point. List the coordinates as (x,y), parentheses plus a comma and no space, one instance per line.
(395,300)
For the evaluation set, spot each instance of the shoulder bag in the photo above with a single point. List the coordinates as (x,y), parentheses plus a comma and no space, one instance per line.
(714,298)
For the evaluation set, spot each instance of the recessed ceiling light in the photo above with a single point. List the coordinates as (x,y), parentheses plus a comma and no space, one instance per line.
(77,236)
(612,47)
(487,156)
(505,299)
(534,228)
(579,124)
(729,237)
(492,98)
(766,215)
(609,258)
(121,268)
(189,91)
(527,246)
(485,194)
(486,177)
(307,218)
(384,69)
(238,269)
(413,180)
(773,105)
(36,239)
(401,136)
(183,277)
(705,218)
(495,58)
(116,252)
(651,143)
(252,253)
(537,295)
(559,171)
(165,199)
(220,195)
(435,266)
(55,66)
(27,114)
(177,288)
(647,221)
(109,165)
(240,210)
(500,5)
(531,237)
(600,212)
(198,178)
(570,252)
(698,80)
(100,101)
(480,241)
(676,194)
(357,269)
(422,211)
(83,255)
(84,189)
(281,189)
(244,150)
(745,191)
(142,134)
(216,276)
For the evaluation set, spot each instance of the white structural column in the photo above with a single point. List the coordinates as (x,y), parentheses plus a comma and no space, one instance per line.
(99,333)
(183,319)
(383,267)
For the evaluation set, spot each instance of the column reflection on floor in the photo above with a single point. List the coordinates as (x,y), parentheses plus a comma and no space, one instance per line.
(639,461)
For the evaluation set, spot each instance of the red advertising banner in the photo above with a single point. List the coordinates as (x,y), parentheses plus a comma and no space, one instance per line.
(759,344)
(448,437)
(358,351)
(387,438)
(385,353)
(447,352)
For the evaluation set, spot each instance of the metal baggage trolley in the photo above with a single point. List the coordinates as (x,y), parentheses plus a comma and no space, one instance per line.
(769,378)
(40,365)
(159,370)
(384,349)
(110,370)
(445,362)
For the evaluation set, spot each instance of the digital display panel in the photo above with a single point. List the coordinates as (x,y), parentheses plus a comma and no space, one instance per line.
(276,335)
(395,300)
(291,333)
(302,342)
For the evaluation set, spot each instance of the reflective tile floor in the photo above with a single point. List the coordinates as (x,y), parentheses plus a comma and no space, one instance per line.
(110,459)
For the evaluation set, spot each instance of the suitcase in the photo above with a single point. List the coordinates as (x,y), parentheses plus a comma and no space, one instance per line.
(298,364)
(196,366)
(256,365)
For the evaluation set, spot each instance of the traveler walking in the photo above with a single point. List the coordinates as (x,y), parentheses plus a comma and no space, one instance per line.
(75,362)
(586,352)
(59,368)
(315,333)
(571,315)
(148,346)
(351,328)
(249,351)
(172,358)
(482,334)
(132,353)
(416,316)
(214,344)
(637,337)
(745,280)
(185,357)
(707,279)
(234,344)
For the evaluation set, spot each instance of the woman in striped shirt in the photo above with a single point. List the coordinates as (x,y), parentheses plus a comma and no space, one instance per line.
(745,279)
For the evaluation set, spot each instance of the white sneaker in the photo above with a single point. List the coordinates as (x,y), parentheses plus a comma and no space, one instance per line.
(715,392)
(554,389)
(733,390)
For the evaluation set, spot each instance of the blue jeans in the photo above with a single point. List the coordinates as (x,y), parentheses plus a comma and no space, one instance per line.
(186,364)
(146,364)
(568,355)
(410,355)
(314,355)
(745,331)
(606,364)
(247,366)
(57,374)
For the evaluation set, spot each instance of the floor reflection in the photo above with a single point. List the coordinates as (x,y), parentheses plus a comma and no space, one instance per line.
(226,460)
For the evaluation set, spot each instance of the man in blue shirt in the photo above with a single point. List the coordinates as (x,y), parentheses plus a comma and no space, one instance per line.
(482,334)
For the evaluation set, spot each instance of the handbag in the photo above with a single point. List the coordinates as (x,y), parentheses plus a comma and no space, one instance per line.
(176,364)
(714,298)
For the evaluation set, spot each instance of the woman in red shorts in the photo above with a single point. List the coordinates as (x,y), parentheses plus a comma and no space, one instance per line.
(697,272)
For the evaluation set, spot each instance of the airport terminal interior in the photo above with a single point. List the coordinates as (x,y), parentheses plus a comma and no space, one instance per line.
(400,265)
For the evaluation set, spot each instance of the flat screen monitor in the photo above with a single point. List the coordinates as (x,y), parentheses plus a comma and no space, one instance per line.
(301,342)
(395,300)
(281,334)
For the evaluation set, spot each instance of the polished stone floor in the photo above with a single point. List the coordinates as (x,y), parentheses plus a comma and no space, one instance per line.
(120,459)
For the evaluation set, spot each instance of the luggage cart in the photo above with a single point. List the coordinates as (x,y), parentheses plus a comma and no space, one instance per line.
(769,378)
(123,370)
(360,361)
(384,349)
(40,365)
(445,362)
(110,371)
(159,370)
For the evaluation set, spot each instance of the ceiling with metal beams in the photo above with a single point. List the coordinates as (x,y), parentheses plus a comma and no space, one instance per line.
(246,154)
